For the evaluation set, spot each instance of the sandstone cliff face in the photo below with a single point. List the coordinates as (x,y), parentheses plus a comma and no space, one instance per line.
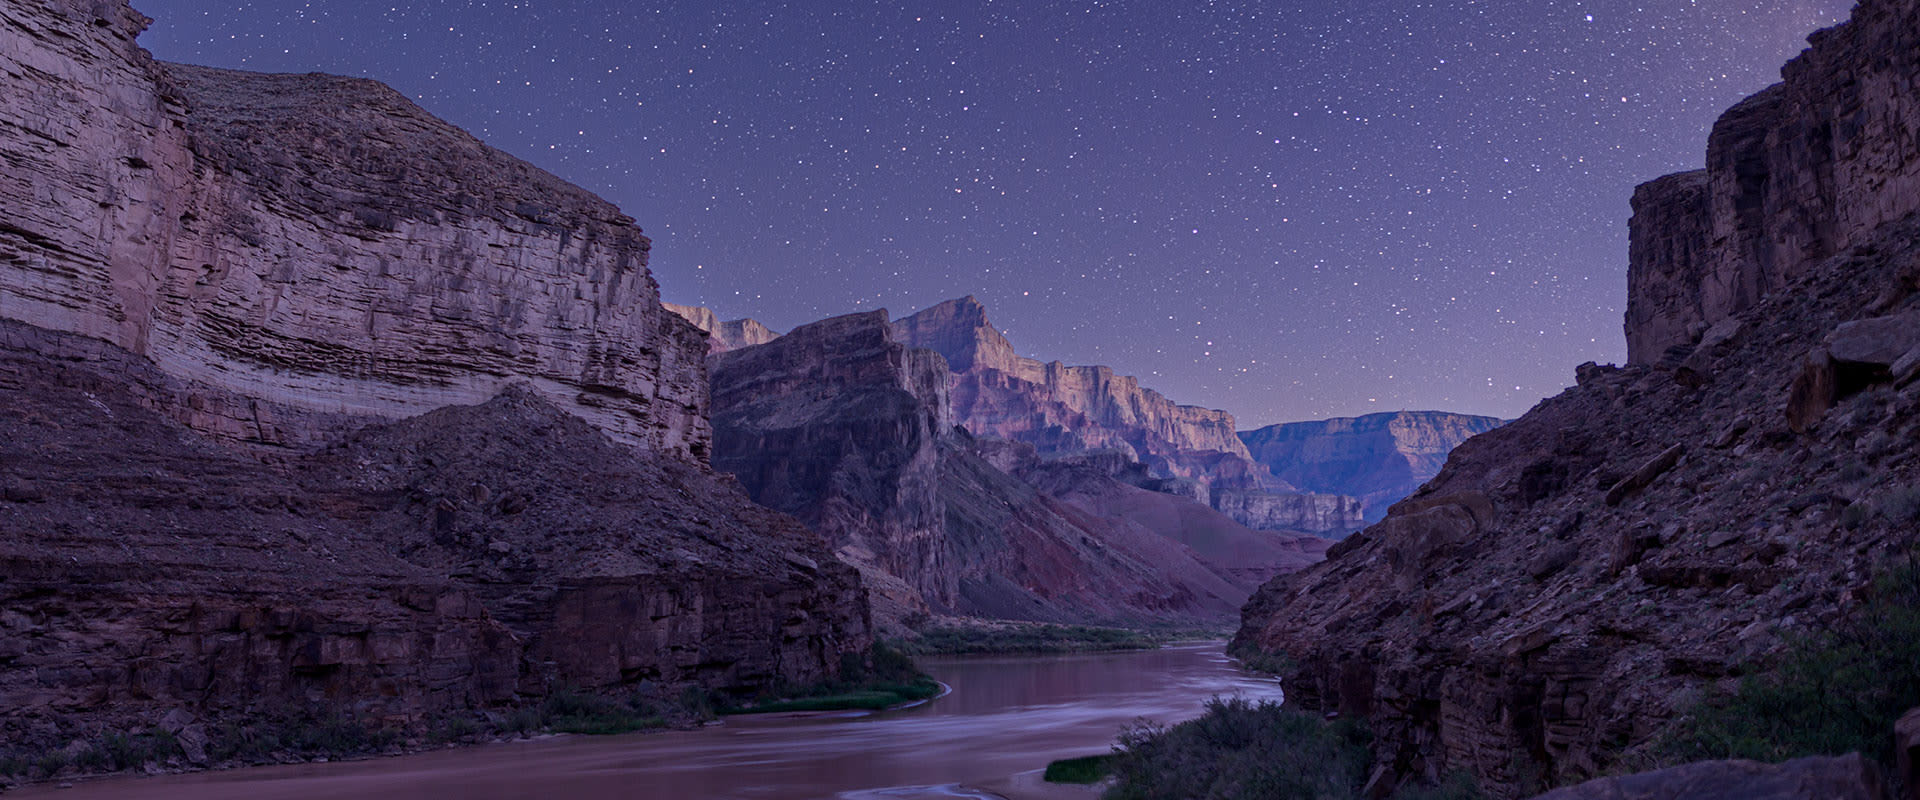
(310,252)
(468,558)
(1795,174)
(724,335)
(846,427)
(230,305)
(1571,581)
(1061,409)
(1377,458)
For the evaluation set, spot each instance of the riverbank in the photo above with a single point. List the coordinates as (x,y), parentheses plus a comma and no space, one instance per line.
(1006,716)
(958,636)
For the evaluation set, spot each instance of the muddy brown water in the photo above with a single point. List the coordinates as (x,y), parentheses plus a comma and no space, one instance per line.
(1004,720)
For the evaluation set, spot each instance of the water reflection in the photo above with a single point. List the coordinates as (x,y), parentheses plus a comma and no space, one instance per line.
(1006,718)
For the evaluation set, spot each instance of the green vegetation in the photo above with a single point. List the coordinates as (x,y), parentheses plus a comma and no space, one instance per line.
(885,678)
(1244,751)
(1833,692)
(1086,769)
(1030,639)
(1257,660)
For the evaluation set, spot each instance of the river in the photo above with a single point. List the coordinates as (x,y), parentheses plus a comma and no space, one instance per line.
(1004,720)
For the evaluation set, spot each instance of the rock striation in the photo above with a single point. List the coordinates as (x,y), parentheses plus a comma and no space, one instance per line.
(309,252)
(1377,458)
(724,335)
(1064,409)
(1807,169)
(311,402)
(845,426)
(1572,581)
(471,557)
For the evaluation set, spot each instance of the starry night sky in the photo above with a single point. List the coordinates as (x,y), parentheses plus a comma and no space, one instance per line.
(1287,210)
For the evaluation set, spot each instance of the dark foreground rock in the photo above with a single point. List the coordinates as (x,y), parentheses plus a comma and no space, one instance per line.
(1572,582)
(473,557)
(1848,777)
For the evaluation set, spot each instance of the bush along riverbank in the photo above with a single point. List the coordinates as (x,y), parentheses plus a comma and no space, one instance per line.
(887,677)
(1239,750)
(1036,638)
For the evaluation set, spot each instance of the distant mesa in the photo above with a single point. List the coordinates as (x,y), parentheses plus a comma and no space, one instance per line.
(1378,458)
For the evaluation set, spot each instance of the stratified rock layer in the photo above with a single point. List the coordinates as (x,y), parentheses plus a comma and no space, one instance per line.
(846,427)
(1795,174)
(310,252)
(211,283)
(471,557)
(1061,409)
(1571,581)
(1377,458)
(724,335)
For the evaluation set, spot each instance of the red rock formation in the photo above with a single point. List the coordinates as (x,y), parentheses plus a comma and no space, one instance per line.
(312,252)
(1571,581)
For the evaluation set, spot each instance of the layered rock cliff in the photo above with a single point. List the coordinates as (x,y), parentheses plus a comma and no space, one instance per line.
(310,252)
(845,426)
(1795,174)
(1571,581)
(1061,409)
(1377,458)
(310,401)
(724,335)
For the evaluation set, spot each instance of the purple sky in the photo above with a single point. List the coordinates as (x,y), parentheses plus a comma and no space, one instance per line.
(1289,211)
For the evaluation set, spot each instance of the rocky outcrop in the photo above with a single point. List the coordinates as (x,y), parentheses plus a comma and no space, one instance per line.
(1848,777)
(1061,409)
(843,425)
(1328,515)
(472,557)
(1377,458)
(1795,174)
(724,335)
(1572,581)
(310,402)
(308,252)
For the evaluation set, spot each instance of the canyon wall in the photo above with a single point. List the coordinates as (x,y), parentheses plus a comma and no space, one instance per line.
(1571,582)
(851,430)
(1795,174)
(724,335)
(1061,409)
(1377,458)
(312,403)
(310,252)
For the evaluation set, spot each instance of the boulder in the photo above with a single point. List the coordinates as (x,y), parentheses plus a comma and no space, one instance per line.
(1848,777)
(1906,751)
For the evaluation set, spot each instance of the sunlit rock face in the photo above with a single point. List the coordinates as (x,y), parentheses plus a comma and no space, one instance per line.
(724,335)
(1572,581)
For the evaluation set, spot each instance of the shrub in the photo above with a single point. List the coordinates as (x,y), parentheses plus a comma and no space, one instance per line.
(1901,505)
(1242,751)
(1831,693)
(1087,769)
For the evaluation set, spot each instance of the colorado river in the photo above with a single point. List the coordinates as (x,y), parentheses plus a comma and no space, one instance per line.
(1005,719)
